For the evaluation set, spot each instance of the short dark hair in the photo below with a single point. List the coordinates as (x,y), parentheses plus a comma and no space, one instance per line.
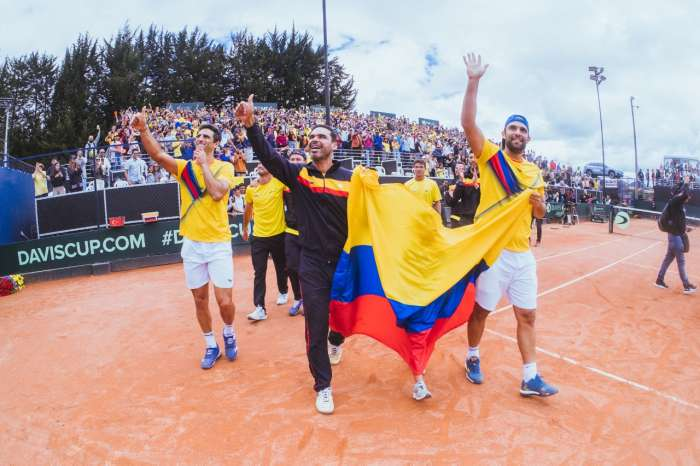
(419,162)
(214,129)
(334,133)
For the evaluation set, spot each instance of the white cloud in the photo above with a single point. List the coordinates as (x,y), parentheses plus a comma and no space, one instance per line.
(539,53)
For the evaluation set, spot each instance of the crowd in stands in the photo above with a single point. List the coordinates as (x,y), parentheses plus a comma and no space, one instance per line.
(121,161)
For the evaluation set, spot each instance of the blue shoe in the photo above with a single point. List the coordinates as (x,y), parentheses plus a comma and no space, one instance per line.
(473,370)
(294,310)
(230,347)
(210,357)
(537,387)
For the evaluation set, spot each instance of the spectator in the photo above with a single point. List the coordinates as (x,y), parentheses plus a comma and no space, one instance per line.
(75,175)
(120,182)
(135,169)
(58,179)
(91,144)
(41,188)
(102,169)
(237,202)
(239,163)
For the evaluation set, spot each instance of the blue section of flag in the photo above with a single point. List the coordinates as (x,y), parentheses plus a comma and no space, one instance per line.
(357,275)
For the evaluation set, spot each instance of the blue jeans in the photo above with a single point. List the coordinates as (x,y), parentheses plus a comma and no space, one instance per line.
(674,251)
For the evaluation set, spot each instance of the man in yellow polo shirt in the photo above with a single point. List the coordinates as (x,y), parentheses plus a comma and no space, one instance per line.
(265,200)
(206,253)
(505,173)
(425,188)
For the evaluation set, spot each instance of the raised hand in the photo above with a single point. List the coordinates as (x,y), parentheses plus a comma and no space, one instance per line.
(474,67)
(139,122)
(245,112)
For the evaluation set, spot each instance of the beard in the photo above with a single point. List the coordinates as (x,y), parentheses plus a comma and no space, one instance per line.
(515,146)
(320,155)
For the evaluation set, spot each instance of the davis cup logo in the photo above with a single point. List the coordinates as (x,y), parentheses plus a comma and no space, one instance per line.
(622,220)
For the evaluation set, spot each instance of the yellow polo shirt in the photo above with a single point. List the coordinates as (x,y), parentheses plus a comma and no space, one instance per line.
(527,175)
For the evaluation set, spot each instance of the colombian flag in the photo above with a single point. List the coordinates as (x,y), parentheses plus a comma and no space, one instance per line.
(404,279)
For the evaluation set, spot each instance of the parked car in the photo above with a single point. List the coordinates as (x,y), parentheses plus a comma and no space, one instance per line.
(596,169)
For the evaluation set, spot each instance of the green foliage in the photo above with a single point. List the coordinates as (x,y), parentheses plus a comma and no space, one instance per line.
(57,106)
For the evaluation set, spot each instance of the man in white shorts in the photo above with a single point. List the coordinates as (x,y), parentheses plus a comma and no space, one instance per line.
(205,183)
(505,173)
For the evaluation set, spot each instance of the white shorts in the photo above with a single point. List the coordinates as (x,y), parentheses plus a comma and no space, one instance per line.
(513,274)
(206,262)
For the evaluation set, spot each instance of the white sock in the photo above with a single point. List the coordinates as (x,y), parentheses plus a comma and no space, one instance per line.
(210,340)
(529,371)
(228,330)
(473,351)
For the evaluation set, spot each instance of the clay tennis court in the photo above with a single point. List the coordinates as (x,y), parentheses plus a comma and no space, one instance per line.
(105,369)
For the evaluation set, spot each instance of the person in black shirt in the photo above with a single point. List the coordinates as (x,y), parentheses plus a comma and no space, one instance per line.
(320,194)
(674,223)
(465,197)
(292,245)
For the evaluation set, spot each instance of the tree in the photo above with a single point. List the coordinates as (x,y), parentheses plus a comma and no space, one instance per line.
(78,98)
(29,80)
(124,72)
(58,107)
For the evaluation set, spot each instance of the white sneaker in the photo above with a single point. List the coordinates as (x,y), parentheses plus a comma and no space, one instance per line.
(282,299)
(324,401)
(420,391)
(334,354)
(258,314)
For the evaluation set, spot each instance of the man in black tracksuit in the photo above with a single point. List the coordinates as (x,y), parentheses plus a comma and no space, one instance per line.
(464,199)
(319,191)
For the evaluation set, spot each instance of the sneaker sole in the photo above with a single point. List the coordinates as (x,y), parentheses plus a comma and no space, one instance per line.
(335,363)
(660,286)
(427,395)
(529,393)
(689,292)
(257,320)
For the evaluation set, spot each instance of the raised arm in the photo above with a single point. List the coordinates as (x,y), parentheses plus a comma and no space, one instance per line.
(277,165)
(153,148)
(475,70)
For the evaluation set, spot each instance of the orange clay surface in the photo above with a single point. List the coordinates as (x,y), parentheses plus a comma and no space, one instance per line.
(105,369)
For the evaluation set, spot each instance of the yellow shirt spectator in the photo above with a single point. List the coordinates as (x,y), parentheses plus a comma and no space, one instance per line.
(426,189)
(492,191)
(268,208)
(207,219)
(40,185)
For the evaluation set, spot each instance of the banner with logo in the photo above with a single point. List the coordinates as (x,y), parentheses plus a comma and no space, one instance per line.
(96,246)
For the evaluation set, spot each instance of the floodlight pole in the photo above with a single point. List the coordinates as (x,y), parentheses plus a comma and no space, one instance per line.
(325,60)
(636,167)
(597,76)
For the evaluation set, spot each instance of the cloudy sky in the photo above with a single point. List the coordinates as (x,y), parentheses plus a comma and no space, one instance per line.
(406,58)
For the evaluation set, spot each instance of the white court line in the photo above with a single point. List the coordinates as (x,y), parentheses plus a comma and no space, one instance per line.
(583,277)
(574,251)
(591,368)
(595,370)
